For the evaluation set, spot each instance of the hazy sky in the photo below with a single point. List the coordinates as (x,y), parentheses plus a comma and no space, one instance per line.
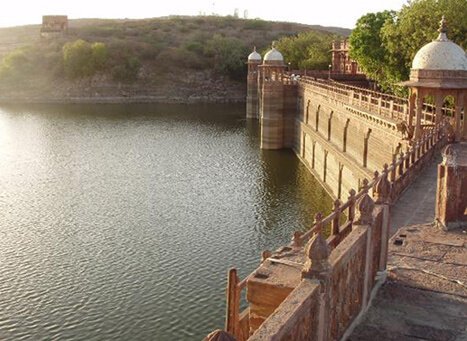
(341,13)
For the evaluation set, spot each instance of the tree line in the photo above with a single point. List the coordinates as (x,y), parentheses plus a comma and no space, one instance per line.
(385,43)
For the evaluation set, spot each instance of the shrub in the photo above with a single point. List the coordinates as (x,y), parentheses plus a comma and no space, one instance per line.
(82,59)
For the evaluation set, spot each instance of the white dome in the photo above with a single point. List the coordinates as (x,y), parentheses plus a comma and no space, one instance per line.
(273,55)
(254,56)
(440,54)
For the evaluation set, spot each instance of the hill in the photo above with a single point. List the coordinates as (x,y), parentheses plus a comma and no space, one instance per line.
(160,59)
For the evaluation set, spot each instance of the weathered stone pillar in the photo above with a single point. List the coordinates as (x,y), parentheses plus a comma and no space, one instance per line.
(451,196)
(457,114)
(411,108)
(418,115)
(438,108)
(464,122)
(317,267)
(382,196)
(364,218)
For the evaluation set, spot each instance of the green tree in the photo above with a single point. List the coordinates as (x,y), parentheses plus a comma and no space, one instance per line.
(367,46)
(384,44)
(15,65)
(77,59)
(100,55)
(307,50)
(228,55)
(416,24)
(82,59)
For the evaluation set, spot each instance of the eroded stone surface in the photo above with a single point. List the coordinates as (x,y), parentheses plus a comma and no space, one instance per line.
(425,297)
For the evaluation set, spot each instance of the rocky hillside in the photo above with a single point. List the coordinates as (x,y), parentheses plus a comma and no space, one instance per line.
(179,59)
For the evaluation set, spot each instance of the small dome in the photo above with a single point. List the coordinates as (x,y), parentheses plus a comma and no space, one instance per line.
(254,56)
(273,56)
(440,54)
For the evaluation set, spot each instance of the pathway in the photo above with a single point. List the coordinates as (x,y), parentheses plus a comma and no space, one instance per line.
(417,203)
(425,296)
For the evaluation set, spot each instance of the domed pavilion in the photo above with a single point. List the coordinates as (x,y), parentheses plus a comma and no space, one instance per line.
(439,69)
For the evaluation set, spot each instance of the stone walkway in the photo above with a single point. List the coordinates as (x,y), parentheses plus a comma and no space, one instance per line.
(425,296)
(417,203)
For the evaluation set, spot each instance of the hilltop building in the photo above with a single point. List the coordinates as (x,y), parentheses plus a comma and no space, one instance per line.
(54,25)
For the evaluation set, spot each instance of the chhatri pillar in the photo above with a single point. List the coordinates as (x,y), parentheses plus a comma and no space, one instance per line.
(438,69)
(252,106)
(271,84)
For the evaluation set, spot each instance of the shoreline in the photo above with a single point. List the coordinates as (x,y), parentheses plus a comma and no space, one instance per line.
(121,100)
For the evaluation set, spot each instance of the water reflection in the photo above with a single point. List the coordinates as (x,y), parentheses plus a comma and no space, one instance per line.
(120,221)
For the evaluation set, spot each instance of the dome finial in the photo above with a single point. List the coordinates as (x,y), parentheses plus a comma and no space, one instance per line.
(274,43)
(443,28)
(254,48)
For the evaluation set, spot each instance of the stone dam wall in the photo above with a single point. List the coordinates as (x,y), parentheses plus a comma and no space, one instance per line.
(340,143)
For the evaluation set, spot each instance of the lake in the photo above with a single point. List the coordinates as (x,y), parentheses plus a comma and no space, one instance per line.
(119,222)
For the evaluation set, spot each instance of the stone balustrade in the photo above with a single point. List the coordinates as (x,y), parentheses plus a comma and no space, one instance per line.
(377,103)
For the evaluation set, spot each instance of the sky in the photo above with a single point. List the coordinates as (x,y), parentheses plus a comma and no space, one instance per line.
(341,13)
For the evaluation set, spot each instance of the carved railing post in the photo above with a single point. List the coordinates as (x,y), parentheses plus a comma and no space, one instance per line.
(233,303)
(391,108)
(316,257)
(375,179)
(351,210)
(400,170)
(364,210)
(364,218)
(382,188)
(317,267)
(335,221)
(407,158)
(265,255)
(318,224)
(418,145)
(393,168)
(297,239)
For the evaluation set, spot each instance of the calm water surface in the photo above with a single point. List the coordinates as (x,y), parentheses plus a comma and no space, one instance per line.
(119,222)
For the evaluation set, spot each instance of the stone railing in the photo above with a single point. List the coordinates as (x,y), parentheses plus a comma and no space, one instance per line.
(343,275)
(385,105)
(388,106)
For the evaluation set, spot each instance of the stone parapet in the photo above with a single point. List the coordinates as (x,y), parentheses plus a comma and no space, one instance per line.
(451,203)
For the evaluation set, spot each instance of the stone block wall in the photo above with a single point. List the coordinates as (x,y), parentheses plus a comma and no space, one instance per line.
(272,114)
(340,144)
(325,305)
